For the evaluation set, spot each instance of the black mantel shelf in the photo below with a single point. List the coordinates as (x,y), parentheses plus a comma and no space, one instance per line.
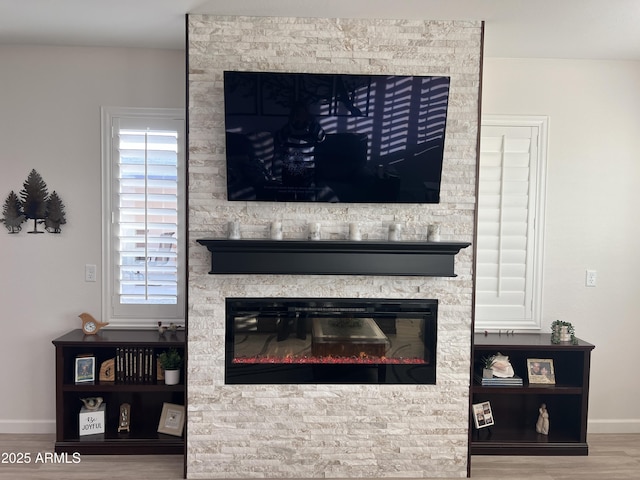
(331,257)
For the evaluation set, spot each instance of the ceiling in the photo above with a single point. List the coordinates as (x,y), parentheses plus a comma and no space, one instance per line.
(587,29)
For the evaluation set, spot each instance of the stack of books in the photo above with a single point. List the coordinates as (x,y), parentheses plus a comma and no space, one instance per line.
(498,381)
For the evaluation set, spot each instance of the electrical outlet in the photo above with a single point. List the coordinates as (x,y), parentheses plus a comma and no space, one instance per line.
(89,273)
(591,278)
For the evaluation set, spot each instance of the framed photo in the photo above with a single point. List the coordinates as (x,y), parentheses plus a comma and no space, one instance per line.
(85,369)
(171,419)
(540,370)
(482,415)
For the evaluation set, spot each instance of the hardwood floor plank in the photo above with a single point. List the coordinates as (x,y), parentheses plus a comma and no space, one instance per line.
(611,457)
(89,467)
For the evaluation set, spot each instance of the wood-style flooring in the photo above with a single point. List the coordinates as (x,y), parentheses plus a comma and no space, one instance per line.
(611,457)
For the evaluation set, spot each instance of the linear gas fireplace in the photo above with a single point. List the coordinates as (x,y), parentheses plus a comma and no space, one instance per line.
(330,340)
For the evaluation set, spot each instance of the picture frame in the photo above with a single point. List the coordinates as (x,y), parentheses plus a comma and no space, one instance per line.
(482,415)
(541,371)
(171,419)
(85,369)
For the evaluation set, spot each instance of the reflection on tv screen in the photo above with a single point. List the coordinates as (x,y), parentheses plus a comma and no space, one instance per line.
(334,138)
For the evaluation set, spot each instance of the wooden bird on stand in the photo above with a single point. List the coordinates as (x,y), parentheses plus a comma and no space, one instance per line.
(90,325)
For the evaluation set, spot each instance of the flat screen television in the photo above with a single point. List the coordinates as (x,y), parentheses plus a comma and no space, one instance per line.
(302,137)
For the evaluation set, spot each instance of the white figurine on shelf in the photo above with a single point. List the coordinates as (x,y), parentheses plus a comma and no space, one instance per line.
(542,425)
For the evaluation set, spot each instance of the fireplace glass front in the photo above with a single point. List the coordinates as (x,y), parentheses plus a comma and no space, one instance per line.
(306,340)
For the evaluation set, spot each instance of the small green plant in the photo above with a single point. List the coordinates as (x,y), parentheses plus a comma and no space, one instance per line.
(488,362)
(170,359)
(556,327)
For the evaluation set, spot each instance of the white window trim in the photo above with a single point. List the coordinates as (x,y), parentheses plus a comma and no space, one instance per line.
(537,262)
(151,318)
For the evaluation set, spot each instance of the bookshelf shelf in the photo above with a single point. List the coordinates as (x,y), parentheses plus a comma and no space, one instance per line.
(515,408)
(145,394)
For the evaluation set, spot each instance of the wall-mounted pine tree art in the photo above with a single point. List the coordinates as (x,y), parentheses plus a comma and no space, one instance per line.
(55,214)
(12,213)
(34,197)
(35,204)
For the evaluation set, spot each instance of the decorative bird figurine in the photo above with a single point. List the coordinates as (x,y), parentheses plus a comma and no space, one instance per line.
(161,329)
(90,325)
(92,403)
(173,328)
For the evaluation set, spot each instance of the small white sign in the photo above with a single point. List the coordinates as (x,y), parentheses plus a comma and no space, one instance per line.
(91,421)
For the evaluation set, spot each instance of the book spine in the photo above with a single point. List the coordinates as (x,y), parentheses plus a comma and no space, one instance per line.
(149,368)
(127,360)
(140,365)
(133,365)
(119,365)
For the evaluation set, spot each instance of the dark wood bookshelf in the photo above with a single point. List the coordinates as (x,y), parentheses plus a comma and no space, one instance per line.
(515,408)
(145,397)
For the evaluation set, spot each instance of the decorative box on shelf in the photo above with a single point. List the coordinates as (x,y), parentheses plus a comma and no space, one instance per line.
(91,422)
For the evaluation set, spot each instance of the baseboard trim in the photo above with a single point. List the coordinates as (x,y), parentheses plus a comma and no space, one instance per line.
(614,426)
(27,426)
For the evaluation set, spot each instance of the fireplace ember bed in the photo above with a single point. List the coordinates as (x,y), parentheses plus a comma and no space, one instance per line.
(331,340)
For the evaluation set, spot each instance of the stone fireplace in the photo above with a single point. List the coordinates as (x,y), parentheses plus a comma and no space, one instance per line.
(329,429)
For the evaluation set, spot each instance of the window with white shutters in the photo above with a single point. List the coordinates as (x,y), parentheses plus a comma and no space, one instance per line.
(510,222)
(143,196)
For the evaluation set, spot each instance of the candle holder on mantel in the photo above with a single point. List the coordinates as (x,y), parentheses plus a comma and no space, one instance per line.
(395,232)
(433,232)
(314,231)
(354,232)
(562,332)
(275,230)
(233,230)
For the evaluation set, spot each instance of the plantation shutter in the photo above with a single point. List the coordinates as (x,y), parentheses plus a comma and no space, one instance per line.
(146,241)
(509,243)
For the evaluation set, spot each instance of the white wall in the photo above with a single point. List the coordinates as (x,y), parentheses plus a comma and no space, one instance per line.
(50,102)
(592,211)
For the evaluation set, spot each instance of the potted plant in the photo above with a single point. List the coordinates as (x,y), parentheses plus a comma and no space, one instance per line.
(487,366)
(171,362)
(562,332)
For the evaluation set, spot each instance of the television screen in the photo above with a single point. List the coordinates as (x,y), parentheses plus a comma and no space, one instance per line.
(334,137)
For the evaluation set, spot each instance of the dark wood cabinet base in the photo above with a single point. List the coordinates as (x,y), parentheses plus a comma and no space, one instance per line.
(121,447)
(515,408)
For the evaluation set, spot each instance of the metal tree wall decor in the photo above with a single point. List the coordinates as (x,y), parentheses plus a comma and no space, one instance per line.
(35,204)
(12,211)
(54,214)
